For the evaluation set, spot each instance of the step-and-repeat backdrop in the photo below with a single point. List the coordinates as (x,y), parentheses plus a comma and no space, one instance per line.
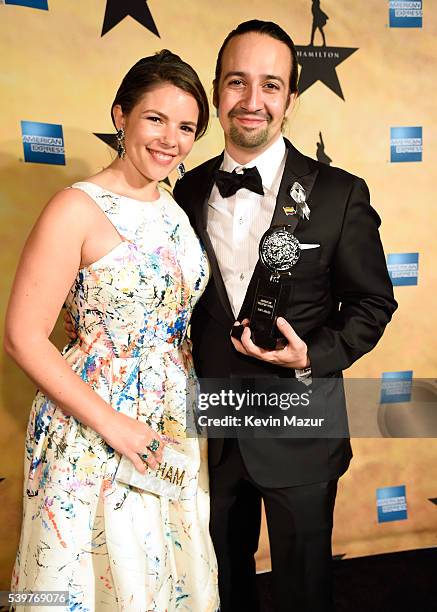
(367,104)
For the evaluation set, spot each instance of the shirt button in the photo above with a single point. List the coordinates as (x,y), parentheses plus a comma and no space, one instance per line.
(241,220)
(242,276)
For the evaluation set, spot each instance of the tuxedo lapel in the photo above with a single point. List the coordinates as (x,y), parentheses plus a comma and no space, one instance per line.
(209,299)
(297,168)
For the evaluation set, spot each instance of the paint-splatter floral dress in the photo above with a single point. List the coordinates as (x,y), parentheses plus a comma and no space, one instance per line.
(113,547)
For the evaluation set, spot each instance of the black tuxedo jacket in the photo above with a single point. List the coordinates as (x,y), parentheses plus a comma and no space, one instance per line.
(340,300)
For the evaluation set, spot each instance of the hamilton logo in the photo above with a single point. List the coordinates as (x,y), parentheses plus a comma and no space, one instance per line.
(137,9)
(319,62)
(321,153)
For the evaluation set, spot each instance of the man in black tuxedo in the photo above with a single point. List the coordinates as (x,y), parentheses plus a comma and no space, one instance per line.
(340,299)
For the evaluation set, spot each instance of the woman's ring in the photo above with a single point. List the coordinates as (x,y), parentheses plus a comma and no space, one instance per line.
(154,445)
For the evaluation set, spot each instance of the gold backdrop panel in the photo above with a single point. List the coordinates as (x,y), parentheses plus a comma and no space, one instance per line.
(56,68)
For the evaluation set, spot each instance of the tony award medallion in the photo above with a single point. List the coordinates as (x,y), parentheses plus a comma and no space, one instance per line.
(279,251)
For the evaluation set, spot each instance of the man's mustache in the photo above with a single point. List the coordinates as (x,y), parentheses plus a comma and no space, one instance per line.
(257,115)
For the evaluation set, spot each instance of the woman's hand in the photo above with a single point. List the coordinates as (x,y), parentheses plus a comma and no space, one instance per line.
(133,438)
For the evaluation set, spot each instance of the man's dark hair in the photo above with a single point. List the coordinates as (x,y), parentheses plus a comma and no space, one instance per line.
(260,27)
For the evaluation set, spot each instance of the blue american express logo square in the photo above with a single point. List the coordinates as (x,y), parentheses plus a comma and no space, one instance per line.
(43,143)
(391,504)
(406,144)
(38,4)
(403,268)
(405,13)
(396,387)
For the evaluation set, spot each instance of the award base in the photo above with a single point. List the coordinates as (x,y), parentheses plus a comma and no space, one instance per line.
(263,326)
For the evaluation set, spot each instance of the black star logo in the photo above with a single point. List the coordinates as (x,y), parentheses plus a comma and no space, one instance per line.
(108,139)
(137,9)
(111,141)
(319,64)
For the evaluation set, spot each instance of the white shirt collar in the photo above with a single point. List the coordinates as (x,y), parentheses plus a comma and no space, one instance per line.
(268,163)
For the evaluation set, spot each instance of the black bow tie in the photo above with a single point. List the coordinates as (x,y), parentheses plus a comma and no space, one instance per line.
(229,183)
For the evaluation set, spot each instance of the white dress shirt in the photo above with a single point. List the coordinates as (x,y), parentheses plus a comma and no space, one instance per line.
(236,224)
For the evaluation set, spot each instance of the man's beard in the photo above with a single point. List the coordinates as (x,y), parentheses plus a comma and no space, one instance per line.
(249,140)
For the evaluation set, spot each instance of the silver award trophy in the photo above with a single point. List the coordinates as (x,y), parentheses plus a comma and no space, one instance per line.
(279,251)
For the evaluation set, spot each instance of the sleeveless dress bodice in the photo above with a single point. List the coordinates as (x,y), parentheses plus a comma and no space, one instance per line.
(111,546)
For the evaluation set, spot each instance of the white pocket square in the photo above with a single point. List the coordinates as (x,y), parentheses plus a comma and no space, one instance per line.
(309,246)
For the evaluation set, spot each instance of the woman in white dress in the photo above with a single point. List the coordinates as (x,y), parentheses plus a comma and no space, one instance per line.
(121,254)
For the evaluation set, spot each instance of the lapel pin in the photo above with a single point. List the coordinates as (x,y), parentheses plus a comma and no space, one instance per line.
(298,194)
(289,210)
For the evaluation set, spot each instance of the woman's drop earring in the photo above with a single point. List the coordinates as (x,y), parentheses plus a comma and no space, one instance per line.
(121,150)
(181,170)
